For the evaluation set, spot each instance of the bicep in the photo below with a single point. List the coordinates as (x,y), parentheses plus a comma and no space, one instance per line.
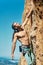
(14,38)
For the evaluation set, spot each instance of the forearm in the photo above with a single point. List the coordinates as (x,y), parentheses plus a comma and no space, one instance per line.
(25,22)
(29,13)
(14,44)
(12,52)
(13,48)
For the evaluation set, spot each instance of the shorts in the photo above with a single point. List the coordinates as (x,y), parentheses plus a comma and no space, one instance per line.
(24,49)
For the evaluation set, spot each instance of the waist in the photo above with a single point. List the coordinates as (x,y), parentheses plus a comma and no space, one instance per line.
(25,45)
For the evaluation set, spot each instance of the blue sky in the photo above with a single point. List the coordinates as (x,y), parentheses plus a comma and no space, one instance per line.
(10,11)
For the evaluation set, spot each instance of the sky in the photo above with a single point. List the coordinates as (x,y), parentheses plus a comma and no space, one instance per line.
(10,11)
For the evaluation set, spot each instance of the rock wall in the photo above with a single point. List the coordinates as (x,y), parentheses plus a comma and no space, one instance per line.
(34,27)
(22,61)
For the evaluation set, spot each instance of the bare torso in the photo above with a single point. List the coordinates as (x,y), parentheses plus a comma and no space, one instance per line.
(21,35)
(24,39)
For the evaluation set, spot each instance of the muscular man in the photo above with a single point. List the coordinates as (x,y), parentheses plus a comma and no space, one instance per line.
(22,36)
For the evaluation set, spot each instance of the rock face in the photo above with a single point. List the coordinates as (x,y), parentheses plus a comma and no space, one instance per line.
(22,61)
(34,27)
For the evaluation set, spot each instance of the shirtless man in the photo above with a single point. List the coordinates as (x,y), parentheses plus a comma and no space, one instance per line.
(22,36)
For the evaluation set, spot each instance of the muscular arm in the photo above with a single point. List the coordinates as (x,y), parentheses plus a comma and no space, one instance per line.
(26,20)
(14,45)
(19,34)
(29,13)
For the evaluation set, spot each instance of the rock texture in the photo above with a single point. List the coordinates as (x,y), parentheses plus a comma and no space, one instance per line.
(22,61)
(34,27)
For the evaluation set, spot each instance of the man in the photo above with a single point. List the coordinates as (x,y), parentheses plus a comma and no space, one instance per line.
(22,36)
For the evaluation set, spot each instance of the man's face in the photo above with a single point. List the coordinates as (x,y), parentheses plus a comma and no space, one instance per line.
(16,25)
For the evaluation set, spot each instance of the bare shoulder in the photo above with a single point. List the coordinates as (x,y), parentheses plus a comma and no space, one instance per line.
(21,32)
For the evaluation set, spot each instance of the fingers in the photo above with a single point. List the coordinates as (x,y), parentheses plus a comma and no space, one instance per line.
(12,56)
